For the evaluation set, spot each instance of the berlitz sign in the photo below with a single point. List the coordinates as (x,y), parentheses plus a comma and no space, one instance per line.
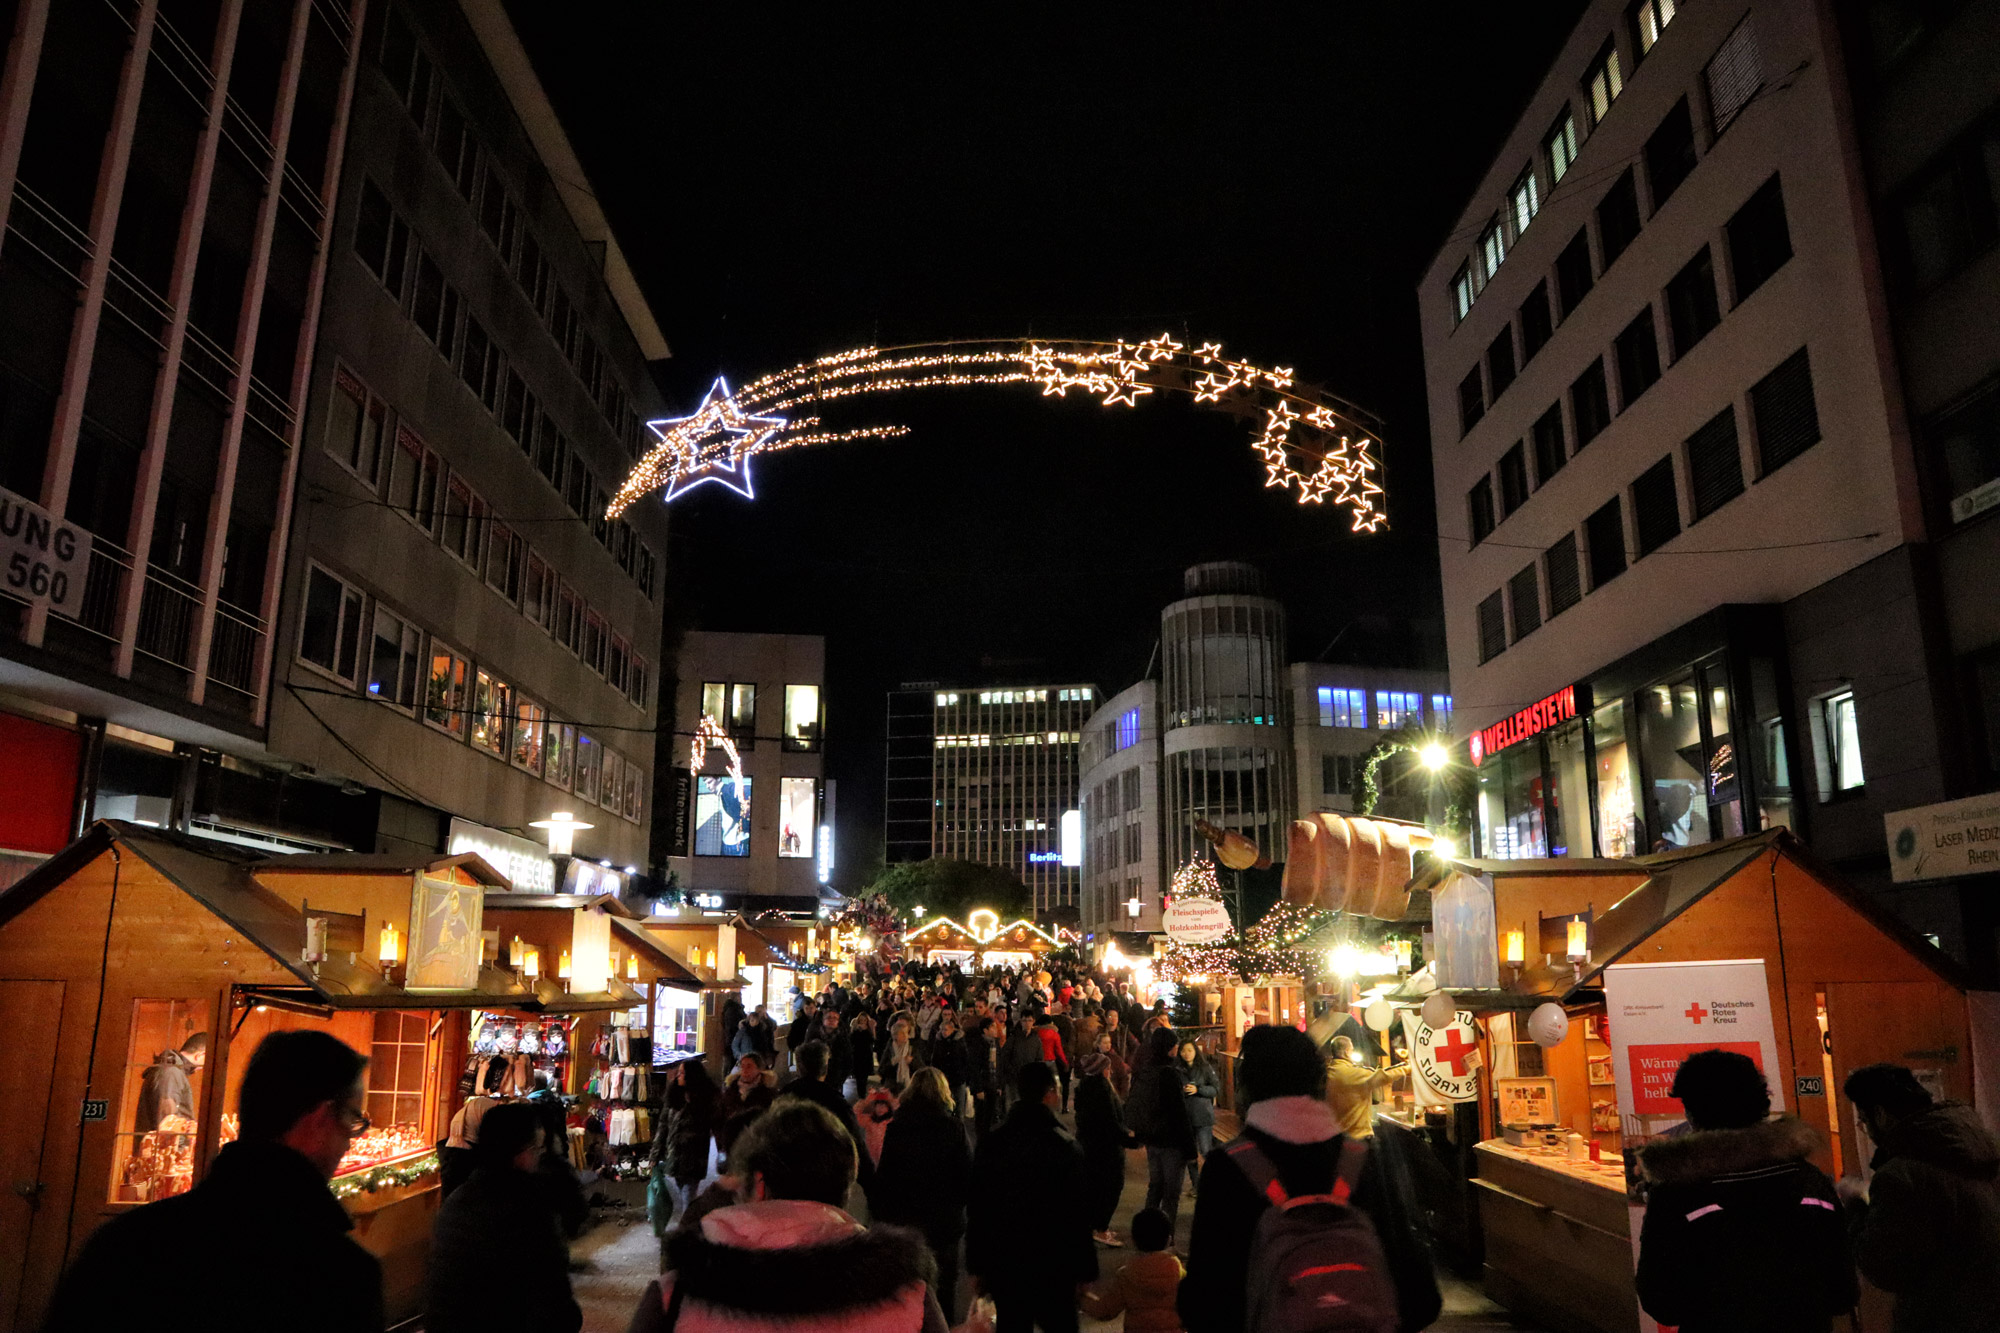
(1530,721)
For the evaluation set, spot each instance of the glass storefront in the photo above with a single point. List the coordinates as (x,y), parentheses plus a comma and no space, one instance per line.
(1617,815)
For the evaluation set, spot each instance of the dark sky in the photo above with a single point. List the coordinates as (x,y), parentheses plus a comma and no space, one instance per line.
(790,181)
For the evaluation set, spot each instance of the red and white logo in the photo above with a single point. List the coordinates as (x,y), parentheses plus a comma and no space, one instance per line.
(1478,748)
(1695,1012)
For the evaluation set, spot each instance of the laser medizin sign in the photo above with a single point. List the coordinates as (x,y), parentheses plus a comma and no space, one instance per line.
(1946,840)
(42,558)
(1530,721)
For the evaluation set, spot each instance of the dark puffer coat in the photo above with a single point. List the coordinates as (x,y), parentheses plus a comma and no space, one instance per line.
(1931,1230)
(1742,1233)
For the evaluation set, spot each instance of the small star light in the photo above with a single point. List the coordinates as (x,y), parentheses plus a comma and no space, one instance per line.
(718,415)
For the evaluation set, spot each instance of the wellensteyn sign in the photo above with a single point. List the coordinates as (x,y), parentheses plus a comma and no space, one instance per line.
(1946,840)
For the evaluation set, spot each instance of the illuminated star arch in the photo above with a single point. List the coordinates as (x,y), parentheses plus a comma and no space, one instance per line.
(1309,442)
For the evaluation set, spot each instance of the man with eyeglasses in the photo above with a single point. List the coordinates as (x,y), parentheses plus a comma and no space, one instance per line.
(260,1243)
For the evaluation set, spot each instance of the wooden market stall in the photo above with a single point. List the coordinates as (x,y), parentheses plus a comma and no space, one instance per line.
(118,951)
(1567,1095)
(980,942)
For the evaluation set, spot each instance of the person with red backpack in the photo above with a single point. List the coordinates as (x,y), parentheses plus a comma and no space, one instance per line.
(1297,1228)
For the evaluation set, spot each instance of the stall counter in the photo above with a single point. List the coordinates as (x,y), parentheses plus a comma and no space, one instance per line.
(1558,1238)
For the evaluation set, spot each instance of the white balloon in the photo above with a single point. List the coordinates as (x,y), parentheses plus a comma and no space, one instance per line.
(1548,1024)
(1439,1009)
(1379,1015)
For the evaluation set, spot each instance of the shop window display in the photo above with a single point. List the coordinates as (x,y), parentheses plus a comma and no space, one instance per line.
(159,1106)
(676,1021)
(1569,810)
(1617,815)
(1513,805)
(1676,780)
(1724,789)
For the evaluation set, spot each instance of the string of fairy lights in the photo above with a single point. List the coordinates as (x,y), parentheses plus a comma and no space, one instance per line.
(1309,443)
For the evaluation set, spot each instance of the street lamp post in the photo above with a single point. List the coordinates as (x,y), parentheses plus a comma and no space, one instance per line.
(562,829)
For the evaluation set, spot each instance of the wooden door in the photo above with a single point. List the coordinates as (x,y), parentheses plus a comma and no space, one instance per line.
(30,1016)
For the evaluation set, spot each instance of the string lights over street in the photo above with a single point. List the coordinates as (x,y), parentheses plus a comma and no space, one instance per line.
(1309,443)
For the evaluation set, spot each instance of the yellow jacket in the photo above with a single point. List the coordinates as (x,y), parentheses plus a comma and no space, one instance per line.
(1350,1091)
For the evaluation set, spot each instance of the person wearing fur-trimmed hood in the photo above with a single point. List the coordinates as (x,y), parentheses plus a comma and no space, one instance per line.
(795,1165)
(1741,1231)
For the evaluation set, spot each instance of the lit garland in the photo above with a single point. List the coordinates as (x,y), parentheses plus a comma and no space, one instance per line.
(1308,442)
(384,1177)
(708,735)
(1277,946)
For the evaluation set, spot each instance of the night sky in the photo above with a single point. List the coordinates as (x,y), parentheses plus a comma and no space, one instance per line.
(791,181)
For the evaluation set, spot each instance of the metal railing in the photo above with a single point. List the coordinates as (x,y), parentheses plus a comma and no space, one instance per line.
(232,651)
(142,307)
(269,410)
(247,138)
(104,589)
(183,64)
(169,610)
(204,358)
(304,201)
(335,16)
(37,224)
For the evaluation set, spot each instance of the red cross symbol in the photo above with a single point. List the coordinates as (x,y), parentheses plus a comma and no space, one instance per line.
(1695,1011)
(1456,1049)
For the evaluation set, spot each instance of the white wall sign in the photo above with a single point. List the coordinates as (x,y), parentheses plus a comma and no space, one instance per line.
(42,558)
(525,864)
(1946,840)
(1444,1061)
(1197,920)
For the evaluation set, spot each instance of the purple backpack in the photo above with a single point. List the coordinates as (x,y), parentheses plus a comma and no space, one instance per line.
(1316,1265)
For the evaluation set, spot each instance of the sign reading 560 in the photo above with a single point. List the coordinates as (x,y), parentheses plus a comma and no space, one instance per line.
(42,558)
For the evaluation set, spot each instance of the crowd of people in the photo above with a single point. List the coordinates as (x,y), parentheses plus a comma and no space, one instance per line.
(932,1103)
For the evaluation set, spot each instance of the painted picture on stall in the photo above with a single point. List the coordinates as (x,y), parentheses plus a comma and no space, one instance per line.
(721,816)
(445,922)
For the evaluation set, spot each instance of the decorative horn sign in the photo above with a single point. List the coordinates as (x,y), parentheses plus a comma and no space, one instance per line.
(1309,442)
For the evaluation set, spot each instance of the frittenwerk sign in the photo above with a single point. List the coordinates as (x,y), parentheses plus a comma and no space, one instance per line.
(1946,840)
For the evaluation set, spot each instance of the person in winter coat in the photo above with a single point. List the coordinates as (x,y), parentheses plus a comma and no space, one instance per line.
(1929,1229)
(1351,1086)
(749,1087)
(815,1084)
(1124,1044)
(1028,1241)
(898,1058)
(264,1202)
(862,1036)
(925,1176)
(1050,1037)
(786,1258)
(456,1155)
(681,1146)
(1100,1128)
(1741,1231)
(765,1034)
(1115,1067)
(803,1029)
(166,1089)
(1200,1086)
(501,1210)
(1282,1084)
(839,1047)
(951,1055)
(1022,1048)
(1145,1289)
(1158,1114)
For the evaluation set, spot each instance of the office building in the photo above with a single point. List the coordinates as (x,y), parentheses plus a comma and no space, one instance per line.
(464,631)
(1002,772)
(1705,374)
(755,832)
(169,183)
(908,754)
(1232,736)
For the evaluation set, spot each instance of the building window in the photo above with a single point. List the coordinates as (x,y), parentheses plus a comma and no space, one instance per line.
(1670,154)
(639,693)
(1560,146)
(1396,709)
(479,362)
(1479,504)
(590,774)
(1841,743)
(457,531)
(395,661)
(1336,774)
(617,660)
(1656,509)
(1492,628)
(1604,542)
(1461,293)
(1967,439)
(1129,785)
(1471,401)
(721,816)
(1733,76)
(357,422)
(1525,200)
(381,239)
(1603,84)
(1500,362)
(530,724)
(1565,578)
(1715,468)
(1524,593)
(1492,251)
(1649,19)
(801,717)
(1618,218)
(492,713)
(569,619)
(1441,713)
(413,479)
(559,756)
(593,641)
(1573,276)
(1691,305)
(1781,407)
(1589,404)
(1759,241)
(445,700)
(1548,441)
(330,627)
(1513,480)
(742,720)
(434,307)
(1536,326)
(1126,730)
(158,1117)
(1638,354)
(798,817)
(504,556)
(1340,707)
(538,593)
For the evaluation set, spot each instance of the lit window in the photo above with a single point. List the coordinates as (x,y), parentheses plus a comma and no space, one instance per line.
(1649,19)
(1492,249)
(492,713)
(1526,200)
(444,694)
(1395,709)
(721,816)
(1128,729)
(1342,708)
(530,722)
(801,718)
(1441,712)
(1461,294)
(798,816)
(1604,83)
(1561,146)
(393,661)
(1843,741)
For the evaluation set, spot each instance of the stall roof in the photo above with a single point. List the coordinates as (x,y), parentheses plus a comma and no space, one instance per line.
(514,901)
(387,863)
(671,971)
(748,942)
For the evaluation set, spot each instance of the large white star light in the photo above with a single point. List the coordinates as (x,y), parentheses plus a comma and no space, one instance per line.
(715,443)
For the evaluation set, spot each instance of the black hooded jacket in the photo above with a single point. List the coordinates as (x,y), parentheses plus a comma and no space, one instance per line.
(499,1211)
(1930,1232)
(1742,1233)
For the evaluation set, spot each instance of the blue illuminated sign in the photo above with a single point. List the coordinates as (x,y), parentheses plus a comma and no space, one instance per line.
(1044,858)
